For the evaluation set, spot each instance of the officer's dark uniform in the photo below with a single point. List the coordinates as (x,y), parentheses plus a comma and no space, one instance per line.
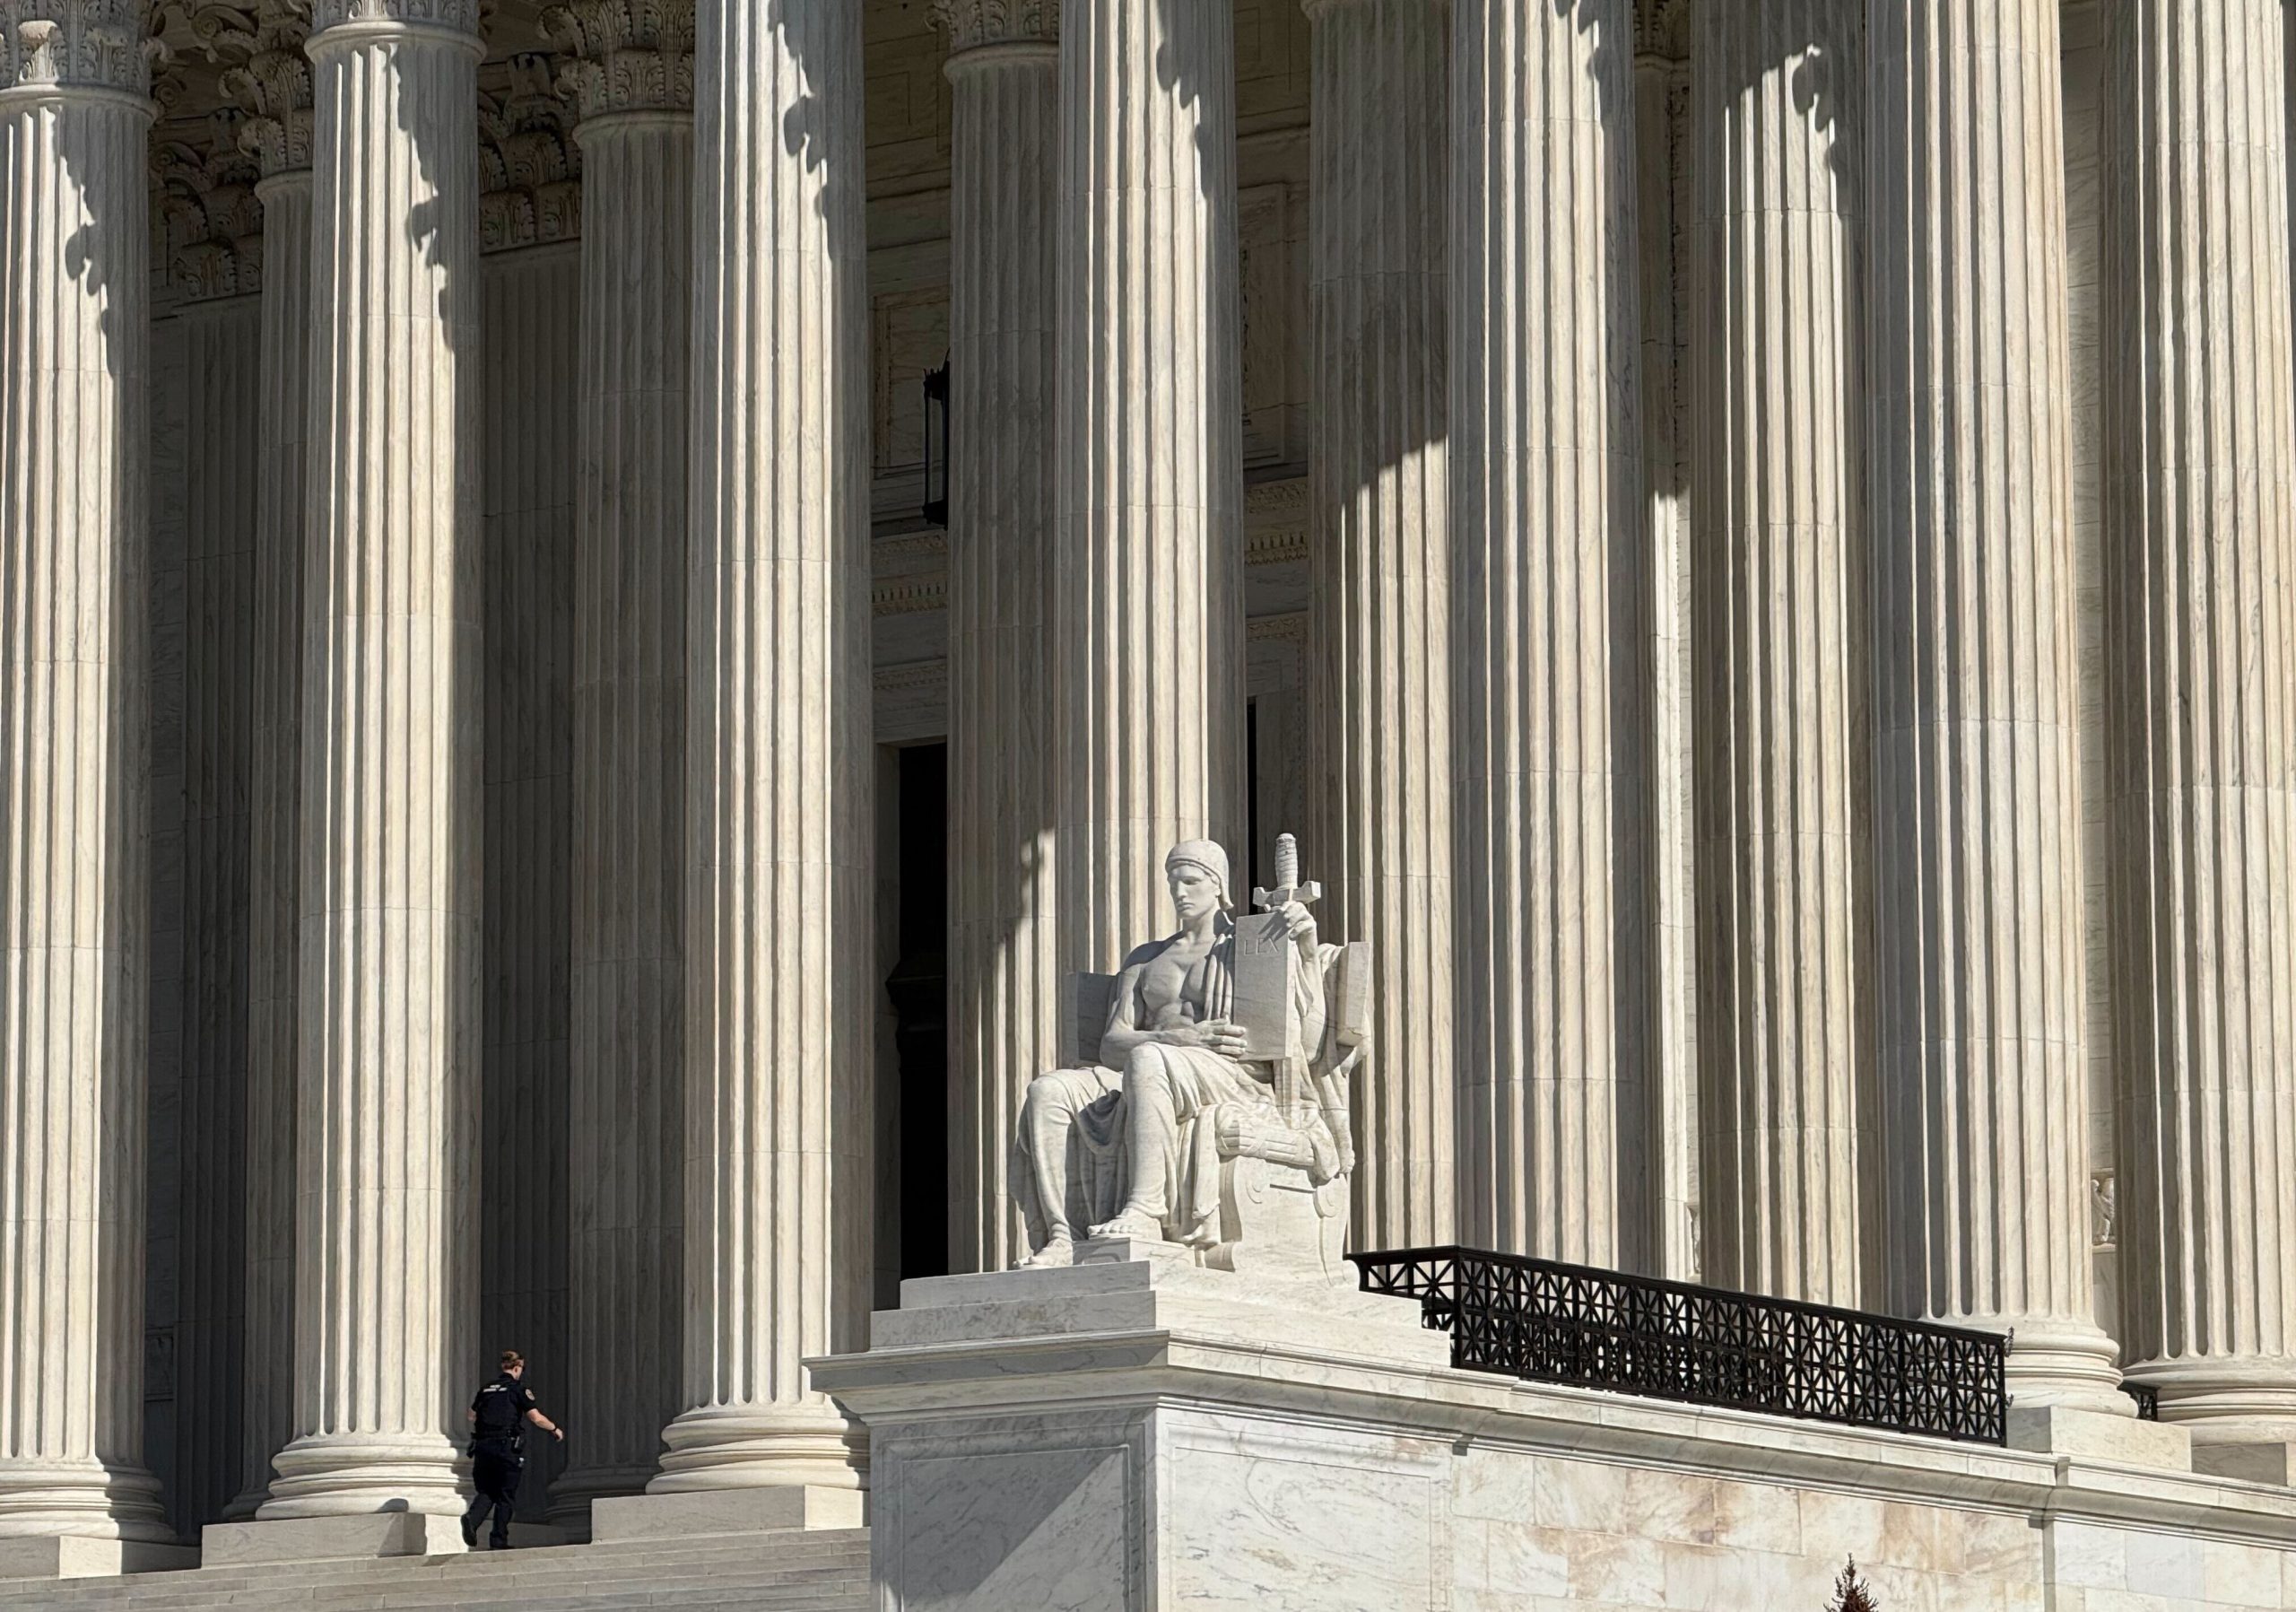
(501,1408)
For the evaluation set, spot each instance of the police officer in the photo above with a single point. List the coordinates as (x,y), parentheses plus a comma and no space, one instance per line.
(498,1419)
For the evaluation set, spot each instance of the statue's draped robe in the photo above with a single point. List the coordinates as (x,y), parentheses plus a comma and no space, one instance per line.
(1201,1081)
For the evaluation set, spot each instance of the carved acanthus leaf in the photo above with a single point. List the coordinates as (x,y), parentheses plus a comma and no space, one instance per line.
(79,44)
(269,79)
(970,24)
(530,171)
(625,56)
(212,223)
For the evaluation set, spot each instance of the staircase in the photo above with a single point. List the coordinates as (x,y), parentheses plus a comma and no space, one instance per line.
(795,1572)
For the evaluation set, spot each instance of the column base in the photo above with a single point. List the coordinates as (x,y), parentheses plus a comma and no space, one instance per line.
(2245,1401)
(360,1474)
(85,1499)
(632,1519)
(74,1557)
(344,1539)
(580,1488)
(716,1447)
(2058,1361)
(245,1503)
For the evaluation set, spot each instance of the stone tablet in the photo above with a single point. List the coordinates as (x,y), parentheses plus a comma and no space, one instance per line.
(1264,962)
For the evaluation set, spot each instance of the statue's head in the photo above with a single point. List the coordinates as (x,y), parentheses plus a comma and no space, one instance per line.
(1196,870)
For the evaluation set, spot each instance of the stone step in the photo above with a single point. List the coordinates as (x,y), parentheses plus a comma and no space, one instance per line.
(826,1572)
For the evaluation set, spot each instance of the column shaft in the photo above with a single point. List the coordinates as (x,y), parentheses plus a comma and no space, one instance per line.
(1379,570)
(2200,612)
(1546,562)
(1781,759)
(387,1004)
(74,334)
(626,1124)
(1666,216)
(779,775)
(1151,450)
(274,88)
(1979,982)
(1004,986)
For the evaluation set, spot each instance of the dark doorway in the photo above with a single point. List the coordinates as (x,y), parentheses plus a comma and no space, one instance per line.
(919,987)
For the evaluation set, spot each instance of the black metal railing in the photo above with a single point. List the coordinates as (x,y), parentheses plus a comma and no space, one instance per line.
(2148,1400)
(1550,1322)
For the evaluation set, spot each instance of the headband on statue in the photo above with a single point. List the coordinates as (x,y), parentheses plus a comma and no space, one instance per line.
(1205,854)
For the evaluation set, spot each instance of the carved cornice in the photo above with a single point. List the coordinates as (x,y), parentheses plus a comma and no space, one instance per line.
(529,169)
(461,16)
(212,224)
(628,56)
(78,45)
(269,78)
(971,23)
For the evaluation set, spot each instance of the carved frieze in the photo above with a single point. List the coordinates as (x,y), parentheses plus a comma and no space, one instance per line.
(212,222)
(974,23)
(529,169)
(79,44)
(625,56)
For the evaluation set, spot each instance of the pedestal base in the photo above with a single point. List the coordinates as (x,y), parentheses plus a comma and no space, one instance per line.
(2270,1461)
(329,1539)
(1149,1435)
(2064,1430)
(69,1557)
(643,1518)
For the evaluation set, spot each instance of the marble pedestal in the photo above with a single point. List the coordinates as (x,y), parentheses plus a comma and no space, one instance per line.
(77,1556)
(1141,1435)
(287,1539)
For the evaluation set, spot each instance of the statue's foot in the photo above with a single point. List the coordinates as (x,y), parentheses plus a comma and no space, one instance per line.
(1057,1251)
(1132,1225)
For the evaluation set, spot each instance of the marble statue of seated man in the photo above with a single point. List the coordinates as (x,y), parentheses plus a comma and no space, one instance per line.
(1131,1144)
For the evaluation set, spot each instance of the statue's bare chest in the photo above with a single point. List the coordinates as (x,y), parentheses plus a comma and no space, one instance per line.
(1172,987)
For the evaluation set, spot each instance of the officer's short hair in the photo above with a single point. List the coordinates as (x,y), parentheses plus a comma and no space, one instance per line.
(511,1357)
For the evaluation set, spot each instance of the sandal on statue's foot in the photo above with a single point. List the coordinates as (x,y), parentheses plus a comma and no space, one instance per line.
(1130,1227)
(1057,1251)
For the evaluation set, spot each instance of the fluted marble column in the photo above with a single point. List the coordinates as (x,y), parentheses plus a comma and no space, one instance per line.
(74,317)
(1004,983)
(2200,612)
(1977,906)
(633,78)
(273,86)
(1149,547)
(779,985)
(1378,565)
(1665,216)
(388,1002)
(1778,611)
(1546,515)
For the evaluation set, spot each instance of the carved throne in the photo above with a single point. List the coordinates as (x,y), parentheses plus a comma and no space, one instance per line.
(1286,1163)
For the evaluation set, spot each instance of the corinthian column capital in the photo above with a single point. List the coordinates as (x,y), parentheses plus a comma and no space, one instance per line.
(972,23)
(53,45)
(455,16)
(270,81)
(629,55)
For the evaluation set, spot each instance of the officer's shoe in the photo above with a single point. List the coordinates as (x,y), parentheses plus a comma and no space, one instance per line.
(470,1534)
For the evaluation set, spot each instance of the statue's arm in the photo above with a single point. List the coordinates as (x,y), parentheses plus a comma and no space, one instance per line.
(1123,1032)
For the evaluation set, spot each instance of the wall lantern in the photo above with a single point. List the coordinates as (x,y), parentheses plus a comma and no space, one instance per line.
(937,436)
